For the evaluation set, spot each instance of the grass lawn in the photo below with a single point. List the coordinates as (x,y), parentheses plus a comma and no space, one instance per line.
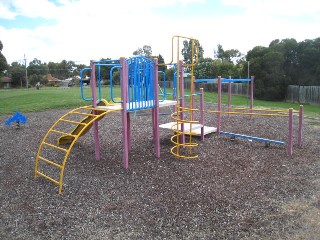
(31,100)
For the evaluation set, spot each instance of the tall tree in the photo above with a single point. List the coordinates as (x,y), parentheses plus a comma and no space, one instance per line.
(62,70)
(3,60)
(17,73)
(231,55)
(161,61)
(288,48)
(308,53)
(266,64)
(189,47)
(37,71)
(145,51)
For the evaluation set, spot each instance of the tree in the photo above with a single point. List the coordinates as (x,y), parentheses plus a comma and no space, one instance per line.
(205,69)
(308,53)
(267,66)
(3,60)
(161,61)
(64,69)
(189,47)
(288,48)
(231,55)
(170,73)
(284,62)
(145,51)
(37,71)
(17,73)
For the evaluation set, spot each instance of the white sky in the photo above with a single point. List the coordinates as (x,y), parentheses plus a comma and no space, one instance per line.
(80,30)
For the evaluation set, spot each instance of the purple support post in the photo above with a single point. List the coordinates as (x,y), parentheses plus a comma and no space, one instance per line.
(219,105)
(124,113)
(251,95)
(300,126)
(181,96)
(129,131)
(192,90)
(202,113)
(289,147)
(155,111)
(229,96)
(93,84)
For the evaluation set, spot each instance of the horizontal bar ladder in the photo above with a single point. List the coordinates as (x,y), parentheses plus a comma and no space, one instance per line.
(94,115)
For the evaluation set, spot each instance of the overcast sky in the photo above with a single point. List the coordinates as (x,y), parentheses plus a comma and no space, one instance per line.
(80,30)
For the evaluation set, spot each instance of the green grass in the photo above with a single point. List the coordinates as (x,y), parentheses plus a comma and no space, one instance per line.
(31,100)
(242,101)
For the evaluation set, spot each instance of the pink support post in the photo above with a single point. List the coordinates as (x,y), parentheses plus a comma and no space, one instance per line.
(181,96)
(192,91)
(153,124)
(202,113)
(251,95)
(129,131)
(93,84)
(229,96)
(124,113)
(155,110)
(289,147)
(219,105)
(300,126)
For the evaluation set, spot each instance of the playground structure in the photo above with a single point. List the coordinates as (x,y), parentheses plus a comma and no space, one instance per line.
(254,113)
(139,90)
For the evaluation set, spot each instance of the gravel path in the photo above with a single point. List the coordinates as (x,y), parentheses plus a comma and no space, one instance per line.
(234,190)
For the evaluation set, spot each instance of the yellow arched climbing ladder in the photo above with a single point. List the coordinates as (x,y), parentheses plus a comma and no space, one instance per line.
(51,155)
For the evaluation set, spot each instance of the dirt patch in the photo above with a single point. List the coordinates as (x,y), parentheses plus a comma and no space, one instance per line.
(236,189)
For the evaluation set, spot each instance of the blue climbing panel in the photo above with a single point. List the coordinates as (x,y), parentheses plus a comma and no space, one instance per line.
(140,83)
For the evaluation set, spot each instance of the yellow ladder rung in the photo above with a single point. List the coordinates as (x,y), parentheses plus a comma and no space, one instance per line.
(63,133)
(54,146)
(47,177)
(94,109)
(50,162)
(86,114)
(70,121)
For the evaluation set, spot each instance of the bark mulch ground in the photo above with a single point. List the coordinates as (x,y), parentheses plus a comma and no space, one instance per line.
(237,189)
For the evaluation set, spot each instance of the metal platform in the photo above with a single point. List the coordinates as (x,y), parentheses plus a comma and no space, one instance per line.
(196,128)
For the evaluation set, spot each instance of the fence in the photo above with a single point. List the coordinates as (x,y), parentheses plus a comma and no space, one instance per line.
(303,94)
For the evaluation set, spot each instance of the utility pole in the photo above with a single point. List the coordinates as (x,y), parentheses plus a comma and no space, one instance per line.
(25,65)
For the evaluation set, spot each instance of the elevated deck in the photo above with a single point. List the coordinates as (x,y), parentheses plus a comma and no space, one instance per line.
(117,106)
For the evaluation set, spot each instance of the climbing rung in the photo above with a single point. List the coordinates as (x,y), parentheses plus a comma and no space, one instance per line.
(93,109)
(85,114)
(50,162)
(54,146)
(63,133)
(70,121)
(47,177)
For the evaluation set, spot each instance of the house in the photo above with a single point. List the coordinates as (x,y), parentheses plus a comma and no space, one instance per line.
(6,82)
(52,81)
